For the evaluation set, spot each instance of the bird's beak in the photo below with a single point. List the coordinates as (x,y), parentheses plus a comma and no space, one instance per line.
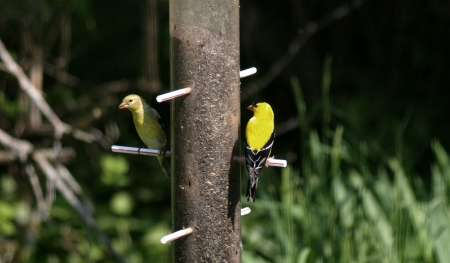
(123,105)
(250,107)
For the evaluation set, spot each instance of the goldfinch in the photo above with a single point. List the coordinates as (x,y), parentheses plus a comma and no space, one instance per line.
(259,137)
(149,127)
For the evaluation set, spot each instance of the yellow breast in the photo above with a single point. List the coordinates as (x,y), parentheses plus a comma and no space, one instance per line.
(149,129)
(260,127)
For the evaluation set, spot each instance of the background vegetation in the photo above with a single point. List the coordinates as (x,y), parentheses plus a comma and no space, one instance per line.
(360,93)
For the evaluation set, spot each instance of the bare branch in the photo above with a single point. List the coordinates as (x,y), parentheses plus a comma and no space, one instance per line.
(6,157)
(66,155)
(70,181)
(52,175)
(287,126)
(83,136)
(60,75)
(73,184)
(60,178)
(18,147)
(294,47)
(34,181)
(26,85)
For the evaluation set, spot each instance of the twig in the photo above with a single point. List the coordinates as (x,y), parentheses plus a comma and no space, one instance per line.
(294,47)
(73,184)
(34,181)
(22,149)
(67,154)
(287,126)
(68,194)
(26,85)
(60,75)
(19,148)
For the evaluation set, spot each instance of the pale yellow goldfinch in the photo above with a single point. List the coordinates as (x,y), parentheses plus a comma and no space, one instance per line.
(149,127)
(259,137)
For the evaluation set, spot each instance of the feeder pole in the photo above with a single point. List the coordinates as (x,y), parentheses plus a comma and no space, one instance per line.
(205,130)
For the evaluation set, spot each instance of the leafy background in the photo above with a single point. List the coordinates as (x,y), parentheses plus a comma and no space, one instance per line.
(359,89)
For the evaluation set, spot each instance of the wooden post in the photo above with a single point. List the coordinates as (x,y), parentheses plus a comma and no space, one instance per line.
(205,130)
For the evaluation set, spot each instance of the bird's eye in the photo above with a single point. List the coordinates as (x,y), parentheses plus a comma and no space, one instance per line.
(131,100)
(254,105)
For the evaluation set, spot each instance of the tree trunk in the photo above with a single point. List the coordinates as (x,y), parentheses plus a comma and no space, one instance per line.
(205,130)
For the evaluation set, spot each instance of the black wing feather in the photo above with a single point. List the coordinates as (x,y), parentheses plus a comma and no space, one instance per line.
(256,160)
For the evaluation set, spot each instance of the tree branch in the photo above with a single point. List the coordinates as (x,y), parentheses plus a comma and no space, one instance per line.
(60,178)
(18,148)
(85,212)
(28,87)
(294,47)
(37,189)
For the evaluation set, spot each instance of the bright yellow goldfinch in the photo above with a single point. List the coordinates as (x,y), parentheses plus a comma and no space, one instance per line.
(259,137)
(149,127)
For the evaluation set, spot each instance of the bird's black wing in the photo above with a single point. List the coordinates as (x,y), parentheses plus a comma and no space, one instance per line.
(256,160)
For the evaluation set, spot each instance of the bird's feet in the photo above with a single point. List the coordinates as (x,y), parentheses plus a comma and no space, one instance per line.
(162,152)
(139,149)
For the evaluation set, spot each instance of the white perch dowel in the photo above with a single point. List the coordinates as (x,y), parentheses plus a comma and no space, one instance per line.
(176,235)
(173,94)
(245,211)
(181,92)
(136,150)
(277,162)
(270,161)
(247,72)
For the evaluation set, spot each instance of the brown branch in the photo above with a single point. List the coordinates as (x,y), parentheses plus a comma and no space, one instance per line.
(28,87)
(66,155)
(60,75)
(294,47)
(37,189)
(70,181)
(85,212)
(18,148)
(287,126)
(2,67)
(60,178)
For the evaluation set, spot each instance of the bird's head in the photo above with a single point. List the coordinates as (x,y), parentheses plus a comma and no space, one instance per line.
(132,102)
(261,108)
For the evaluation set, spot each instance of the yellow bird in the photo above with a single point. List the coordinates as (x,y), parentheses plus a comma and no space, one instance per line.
(149,127)
(259,138)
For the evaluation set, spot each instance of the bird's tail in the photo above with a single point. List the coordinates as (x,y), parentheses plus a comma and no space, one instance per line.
(251,189)
(164,164)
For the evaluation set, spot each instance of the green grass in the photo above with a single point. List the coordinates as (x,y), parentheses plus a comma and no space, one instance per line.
(334,211)
(342,206)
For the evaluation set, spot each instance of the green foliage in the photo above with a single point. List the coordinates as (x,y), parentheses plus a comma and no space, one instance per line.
(122,203)
(6,219)
(114,169)
(9,108)
(8,206)
(343,214)
(340,207)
